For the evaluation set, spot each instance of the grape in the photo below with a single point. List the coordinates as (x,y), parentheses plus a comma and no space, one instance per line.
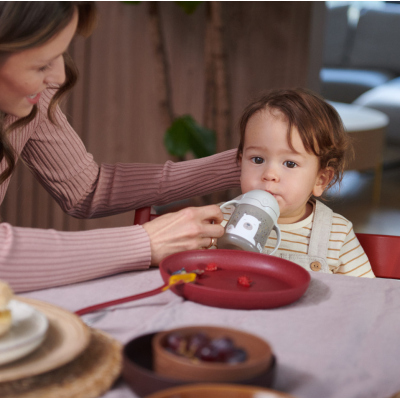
(201,347)
(236,356)
(223,346)
(207,353)
(176,343)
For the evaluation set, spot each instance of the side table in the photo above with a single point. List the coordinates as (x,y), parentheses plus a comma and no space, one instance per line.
(366,127)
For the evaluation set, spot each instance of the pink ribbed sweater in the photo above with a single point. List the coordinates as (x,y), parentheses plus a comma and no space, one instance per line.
(32,259)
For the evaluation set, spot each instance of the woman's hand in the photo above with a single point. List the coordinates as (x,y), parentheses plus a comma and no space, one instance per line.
(188,229)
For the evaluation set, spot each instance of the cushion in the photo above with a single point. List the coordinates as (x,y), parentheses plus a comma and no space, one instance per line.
(376,42)
(336,32)
(345,85)
(385,98)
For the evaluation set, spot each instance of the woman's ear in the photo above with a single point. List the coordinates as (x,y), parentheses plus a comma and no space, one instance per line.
(323,178)
(240,165)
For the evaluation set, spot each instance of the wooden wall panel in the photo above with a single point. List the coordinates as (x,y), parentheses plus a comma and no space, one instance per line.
(185,46)
(268,49)
(115,105)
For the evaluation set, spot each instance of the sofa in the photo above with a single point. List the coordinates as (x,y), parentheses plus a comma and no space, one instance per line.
(362,61)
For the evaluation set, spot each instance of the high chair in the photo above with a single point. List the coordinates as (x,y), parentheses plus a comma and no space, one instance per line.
(383,251)
(144,214)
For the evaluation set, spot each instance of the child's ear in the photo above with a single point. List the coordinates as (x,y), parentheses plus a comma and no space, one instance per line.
(323,178)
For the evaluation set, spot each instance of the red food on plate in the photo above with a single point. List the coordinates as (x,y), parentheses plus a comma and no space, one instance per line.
(244,281)
(211,267)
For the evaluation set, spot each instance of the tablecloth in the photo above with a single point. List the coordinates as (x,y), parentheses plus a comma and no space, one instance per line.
(341,339)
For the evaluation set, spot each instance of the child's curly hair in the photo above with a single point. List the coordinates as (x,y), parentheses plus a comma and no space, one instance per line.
(318,123)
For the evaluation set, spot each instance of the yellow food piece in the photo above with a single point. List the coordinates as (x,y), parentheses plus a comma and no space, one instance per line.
(5,321)
(6,294)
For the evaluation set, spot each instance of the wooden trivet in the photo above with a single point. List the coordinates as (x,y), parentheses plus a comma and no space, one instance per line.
(90,375)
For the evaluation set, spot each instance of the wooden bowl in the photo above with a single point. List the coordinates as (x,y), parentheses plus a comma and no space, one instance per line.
(139,374)
(215,390)
(259,357)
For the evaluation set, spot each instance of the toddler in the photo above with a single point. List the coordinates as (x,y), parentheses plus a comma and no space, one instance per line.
(293,145)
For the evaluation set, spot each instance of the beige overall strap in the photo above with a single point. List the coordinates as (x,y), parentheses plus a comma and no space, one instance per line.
(321,231)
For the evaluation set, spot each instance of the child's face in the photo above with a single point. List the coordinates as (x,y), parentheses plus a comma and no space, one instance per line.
(268,163)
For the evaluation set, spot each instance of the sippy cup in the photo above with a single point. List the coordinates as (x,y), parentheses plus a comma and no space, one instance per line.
(255,216)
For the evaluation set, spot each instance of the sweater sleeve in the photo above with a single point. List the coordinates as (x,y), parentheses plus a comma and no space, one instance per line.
(59,160)
(32,259)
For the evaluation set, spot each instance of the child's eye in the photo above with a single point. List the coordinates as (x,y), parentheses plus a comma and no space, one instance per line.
(257,160)
(290,164)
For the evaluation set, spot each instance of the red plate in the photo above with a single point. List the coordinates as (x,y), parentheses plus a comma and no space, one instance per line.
(274,282)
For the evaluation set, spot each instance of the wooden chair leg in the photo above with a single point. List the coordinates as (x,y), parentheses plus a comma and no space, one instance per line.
(376,195)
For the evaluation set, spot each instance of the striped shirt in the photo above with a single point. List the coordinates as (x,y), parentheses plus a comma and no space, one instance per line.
(345,254)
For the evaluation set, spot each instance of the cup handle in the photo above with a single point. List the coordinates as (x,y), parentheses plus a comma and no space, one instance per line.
(229,202)
(278,239)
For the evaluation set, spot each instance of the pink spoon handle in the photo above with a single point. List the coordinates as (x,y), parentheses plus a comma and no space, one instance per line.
(173,280)
(96,307)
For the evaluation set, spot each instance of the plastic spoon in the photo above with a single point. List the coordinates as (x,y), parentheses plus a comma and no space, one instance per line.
(173,280)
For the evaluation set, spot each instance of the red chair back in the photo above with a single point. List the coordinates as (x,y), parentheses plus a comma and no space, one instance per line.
(143,215)
(383,252)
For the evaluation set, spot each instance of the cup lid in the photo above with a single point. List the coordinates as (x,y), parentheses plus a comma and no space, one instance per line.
(264,199)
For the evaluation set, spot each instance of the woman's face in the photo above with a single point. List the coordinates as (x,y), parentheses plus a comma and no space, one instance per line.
(24,75)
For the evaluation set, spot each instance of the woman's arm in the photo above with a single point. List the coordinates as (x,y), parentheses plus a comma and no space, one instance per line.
(32,259)
(61,163)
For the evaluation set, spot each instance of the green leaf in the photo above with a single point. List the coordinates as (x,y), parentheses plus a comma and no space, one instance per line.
(176,138)
(202,141)
(186,135)
(188,6)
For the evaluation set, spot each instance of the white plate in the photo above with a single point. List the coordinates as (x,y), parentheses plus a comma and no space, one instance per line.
(67,337)
(27,332)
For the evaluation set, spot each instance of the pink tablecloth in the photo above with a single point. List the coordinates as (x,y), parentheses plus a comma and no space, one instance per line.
(341,339)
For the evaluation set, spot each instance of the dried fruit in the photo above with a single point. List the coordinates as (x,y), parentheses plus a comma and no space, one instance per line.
(196,342)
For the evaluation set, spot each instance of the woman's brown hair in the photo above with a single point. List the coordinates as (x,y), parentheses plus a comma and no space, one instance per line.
(28,24)
(318,123)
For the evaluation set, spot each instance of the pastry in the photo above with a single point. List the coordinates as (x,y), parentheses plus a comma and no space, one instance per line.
(6,294)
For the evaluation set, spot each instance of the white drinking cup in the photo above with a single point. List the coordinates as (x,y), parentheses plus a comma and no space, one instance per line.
(255,216)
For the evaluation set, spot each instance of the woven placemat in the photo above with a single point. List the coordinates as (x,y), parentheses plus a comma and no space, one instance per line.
(90,375)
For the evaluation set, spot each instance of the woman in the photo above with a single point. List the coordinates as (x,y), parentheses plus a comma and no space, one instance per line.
(35,72)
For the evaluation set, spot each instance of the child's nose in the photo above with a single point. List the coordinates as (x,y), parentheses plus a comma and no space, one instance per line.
(270,174)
